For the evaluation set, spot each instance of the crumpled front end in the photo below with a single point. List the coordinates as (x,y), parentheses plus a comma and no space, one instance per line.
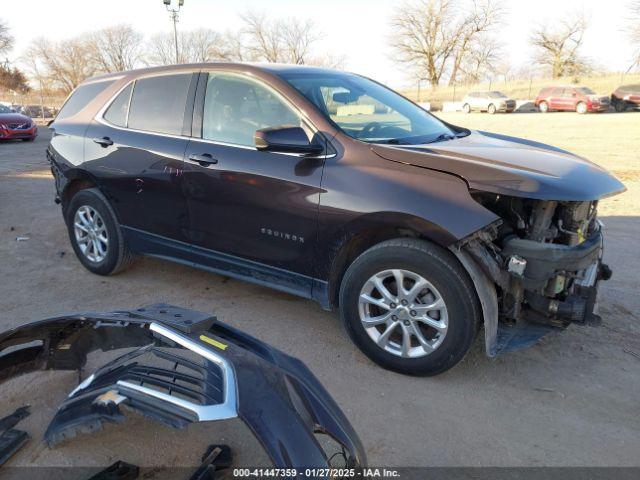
(181,367)
(545,259)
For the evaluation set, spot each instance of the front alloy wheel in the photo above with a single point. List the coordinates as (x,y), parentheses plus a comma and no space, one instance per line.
(410,306)
(403,313)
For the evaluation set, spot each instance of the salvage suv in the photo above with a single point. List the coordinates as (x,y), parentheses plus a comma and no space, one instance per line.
(330,186)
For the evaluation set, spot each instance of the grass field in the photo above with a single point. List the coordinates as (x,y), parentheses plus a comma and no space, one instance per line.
(611,140)
(523,89)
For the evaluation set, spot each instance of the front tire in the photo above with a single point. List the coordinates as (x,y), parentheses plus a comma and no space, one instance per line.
(543,107)
(581,108)
(466,108)
(491,109)
(95,234)
(425,327)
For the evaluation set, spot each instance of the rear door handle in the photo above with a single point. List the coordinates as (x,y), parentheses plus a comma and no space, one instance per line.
(104,141)
(204,159)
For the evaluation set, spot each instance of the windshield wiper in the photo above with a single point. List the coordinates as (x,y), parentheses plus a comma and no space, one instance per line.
(442,137)
(397,141)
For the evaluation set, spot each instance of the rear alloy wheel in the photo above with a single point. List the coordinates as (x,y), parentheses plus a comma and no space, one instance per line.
(581,108)
(95,234)
(410,306)
(466,108)
(491,109)
(543,107)
(91,234)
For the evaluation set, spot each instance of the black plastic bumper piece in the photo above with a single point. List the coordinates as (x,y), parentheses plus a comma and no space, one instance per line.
(277,397)
(545,259)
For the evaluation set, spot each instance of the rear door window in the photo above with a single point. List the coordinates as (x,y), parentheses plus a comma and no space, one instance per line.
(158,103)
(81,97)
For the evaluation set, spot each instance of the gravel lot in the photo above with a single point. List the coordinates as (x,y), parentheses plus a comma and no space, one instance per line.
(572,400)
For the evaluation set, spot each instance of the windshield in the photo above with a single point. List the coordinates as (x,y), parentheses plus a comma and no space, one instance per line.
(367,111)
(5,109)
(497,95)
(586,91)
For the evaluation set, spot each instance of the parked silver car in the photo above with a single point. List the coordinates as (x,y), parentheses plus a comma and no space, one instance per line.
(491,102)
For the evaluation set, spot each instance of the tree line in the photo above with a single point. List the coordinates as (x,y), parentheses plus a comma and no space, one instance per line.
(438,41)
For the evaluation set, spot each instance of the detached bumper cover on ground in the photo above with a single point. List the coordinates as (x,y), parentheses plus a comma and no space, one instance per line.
(226,374)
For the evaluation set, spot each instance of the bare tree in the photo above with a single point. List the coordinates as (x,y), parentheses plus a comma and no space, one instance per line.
(471,34)
(284,41)
(203,45)
(558,46)
(117,48)
(437,37)
(634,29)
(13,79)
(481,59)
(423,37)
(64,64)
(6,39)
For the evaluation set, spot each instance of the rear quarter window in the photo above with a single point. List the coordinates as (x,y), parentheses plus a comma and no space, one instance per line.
(81,97)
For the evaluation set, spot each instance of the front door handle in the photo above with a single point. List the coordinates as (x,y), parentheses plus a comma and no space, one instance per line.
(104,141)
(204,159)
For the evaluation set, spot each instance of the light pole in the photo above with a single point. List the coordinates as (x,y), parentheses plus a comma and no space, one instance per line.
(174,18)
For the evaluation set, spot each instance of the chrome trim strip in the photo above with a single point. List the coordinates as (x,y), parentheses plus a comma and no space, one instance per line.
(100,119)
(82,385)
(229,407)
(205,413)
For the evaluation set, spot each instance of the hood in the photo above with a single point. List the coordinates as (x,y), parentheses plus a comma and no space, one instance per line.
(13,118)
(510,166)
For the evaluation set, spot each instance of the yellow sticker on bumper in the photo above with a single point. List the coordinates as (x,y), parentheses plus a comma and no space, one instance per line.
(213,342)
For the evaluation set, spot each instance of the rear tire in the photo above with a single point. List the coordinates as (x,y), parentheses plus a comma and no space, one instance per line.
(447,283)
(491,109)
(466,108)
(103,253)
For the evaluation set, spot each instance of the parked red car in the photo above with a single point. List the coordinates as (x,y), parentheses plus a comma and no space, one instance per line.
(626,96)
(15,125)
(574,99)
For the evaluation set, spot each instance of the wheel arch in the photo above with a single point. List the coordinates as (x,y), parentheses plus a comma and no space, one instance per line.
(369,230)
(76,180)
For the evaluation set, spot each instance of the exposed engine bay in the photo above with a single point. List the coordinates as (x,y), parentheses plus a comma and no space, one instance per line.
(544,257)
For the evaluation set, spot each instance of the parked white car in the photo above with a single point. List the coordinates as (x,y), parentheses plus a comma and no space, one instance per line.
(491,102)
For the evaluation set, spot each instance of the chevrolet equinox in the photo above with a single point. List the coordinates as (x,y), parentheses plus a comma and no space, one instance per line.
(330,186)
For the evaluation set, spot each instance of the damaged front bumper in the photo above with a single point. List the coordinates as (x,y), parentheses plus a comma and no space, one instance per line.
(529,288)
(199,370)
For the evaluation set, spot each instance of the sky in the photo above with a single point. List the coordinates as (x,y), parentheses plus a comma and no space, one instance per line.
(357,29)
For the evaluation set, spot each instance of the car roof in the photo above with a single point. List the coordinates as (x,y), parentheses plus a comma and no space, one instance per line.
(273,68)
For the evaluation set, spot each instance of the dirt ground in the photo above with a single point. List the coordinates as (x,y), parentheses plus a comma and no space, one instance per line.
(572,400)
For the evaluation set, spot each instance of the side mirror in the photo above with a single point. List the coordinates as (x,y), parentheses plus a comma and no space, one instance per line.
(285,139)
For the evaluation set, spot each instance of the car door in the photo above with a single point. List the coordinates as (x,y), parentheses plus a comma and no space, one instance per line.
(135,148)
(555,99)
(568,100)
(253,213)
